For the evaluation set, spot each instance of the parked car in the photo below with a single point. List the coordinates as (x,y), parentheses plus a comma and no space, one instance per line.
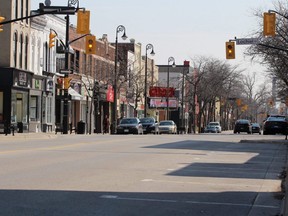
(167,126)
(210,129)
(216,125)
(275,125)
(130,126)
(150,125)
(243,125)
(256,128)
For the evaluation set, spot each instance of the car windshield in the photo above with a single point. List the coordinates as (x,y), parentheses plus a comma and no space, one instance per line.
(255,124)
(213,124)
(165,123)
(147,120)
(129,121)
(276,119)
(242,122)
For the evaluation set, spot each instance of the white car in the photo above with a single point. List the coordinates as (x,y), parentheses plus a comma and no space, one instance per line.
(167,126)
(217,125)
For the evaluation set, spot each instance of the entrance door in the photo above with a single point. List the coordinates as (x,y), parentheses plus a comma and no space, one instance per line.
(19,108)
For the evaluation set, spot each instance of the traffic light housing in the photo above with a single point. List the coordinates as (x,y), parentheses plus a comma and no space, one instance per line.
(269,26)
(67,81)
(230,50)
(83,22)
(90,44)
(1,20)
(52,39)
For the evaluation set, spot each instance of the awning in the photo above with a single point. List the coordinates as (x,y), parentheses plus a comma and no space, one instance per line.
(74,94)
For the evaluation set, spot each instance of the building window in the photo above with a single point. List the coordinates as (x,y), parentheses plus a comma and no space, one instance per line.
(22,8)
(16,9)
(77,61)
(34,108)
(33,53)
(15,49)
(38,56)
(26,10)
(26,53)
(21,52)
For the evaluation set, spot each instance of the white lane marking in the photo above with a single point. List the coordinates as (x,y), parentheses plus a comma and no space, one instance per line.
(147,180)
(109,196)
(188,202)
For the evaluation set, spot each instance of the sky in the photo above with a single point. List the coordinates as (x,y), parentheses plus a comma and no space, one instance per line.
(183,29)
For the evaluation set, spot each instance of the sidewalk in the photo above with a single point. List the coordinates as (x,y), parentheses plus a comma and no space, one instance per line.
(18,136)
(283,176)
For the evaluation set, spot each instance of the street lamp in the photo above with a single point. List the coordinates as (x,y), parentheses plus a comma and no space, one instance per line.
(148,46)
(170,59)
(120,28)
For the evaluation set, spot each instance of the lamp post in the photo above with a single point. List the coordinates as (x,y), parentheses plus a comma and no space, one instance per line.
(148,46)
(120,28)
(66,93)
(170,59)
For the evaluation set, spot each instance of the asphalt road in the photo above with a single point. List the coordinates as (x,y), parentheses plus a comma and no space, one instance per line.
(107,175)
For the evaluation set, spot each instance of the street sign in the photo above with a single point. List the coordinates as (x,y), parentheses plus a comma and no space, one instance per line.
(63,71)
(247,41)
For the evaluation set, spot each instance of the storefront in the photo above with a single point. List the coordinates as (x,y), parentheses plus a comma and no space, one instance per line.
(14,98)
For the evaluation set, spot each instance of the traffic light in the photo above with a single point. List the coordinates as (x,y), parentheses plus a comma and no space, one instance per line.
(59,84)
(230,50)
(1,20)
(52,39)
(83,22)
(90,44)
(269,24)
(67,81)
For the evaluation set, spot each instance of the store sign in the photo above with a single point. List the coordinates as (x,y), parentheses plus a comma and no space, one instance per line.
(22,79)
(162,103)
(161,92)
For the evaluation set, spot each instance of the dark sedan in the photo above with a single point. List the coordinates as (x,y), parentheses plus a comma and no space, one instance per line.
(243,125)
(150,125)
(130,126)
(275,125)
(256,128)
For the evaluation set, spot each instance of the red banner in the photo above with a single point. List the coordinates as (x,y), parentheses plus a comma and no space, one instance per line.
(110,94)
(161,92)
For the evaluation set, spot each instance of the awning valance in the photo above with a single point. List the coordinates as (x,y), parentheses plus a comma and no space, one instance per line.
(74,94)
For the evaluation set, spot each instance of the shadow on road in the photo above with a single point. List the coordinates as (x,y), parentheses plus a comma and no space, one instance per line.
(80,203)
(268,162)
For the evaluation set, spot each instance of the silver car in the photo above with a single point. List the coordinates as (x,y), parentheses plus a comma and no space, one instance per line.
(167,126)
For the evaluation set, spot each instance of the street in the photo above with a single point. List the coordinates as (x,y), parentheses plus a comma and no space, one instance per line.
(207,174)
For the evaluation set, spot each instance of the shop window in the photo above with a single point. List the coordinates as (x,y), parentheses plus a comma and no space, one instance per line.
(33,108)
(19,106)
(49,110)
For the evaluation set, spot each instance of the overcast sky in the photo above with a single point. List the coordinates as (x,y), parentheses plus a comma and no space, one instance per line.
(182,29)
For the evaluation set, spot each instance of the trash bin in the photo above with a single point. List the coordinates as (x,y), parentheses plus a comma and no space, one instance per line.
(81,127)
(20,127)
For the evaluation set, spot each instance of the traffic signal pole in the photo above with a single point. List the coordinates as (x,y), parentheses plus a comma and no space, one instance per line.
(66,94)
